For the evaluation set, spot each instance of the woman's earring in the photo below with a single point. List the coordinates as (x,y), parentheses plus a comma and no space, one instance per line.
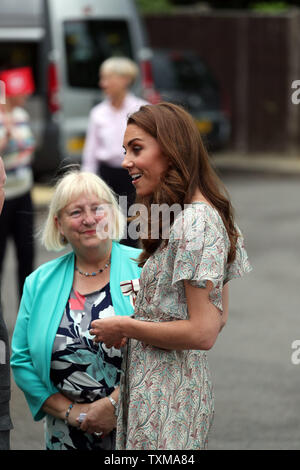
(63,239)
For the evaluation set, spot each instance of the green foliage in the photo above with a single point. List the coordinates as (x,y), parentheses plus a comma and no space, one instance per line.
(154,6)
(225,4)
(166,6)
(269,6)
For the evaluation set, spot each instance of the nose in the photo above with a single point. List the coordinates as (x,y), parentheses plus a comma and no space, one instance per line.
(89,218)
(127,163)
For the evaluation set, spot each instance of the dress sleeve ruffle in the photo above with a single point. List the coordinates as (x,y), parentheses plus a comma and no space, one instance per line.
(200,251)
(241,264)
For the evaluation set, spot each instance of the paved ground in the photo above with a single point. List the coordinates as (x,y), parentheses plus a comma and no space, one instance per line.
(256,384)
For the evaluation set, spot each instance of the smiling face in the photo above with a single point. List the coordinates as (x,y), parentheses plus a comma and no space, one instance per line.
(78,221)
(143,159)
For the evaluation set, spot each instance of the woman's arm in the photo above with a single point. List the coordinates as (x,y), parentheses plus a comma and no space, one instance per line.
(57,405)
(199,331)
(100,415)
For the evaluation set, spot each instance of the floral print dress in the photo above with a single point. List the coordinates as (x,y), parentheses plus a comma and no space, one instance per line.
(167,397)
(82,370)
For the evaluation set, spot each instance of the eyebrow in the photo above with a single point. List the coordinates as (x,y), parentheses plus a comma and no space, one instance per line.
(81,206)
(132,140)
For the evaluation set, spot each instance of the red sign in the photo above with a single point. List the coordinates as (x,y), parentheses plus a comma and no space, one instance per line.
(18,81)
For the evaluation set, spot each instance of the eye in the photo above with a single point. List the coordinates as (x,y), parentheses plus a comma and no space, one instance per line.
(136,149)
(75,213)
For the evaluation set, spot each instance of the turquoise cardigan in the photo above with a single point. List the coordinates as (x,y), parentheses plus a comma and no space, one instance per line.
(46,292)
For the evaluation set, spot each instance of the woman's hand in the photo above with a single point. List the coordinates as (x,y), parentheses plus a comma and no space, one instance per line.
(121,344)
(109,331)
(100,417)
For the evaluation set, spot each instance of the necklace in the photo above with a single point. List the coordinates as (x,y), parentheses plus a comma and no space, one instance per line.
(94,273)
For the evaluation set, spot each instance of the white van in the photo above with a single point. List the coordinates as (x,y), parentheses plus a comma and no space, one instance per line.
(65,41)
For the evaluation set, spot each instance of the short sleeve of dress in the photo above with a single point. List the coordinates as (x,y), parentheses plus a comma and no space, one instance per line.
(241,264)
(199,245)
(199,251)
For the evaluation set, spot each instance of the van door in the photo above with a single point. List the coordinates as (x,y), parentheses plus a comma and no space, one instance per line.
(84,34)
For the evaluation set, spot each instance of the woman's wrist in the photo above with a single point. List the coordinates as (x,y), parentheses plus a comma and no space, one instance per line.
(125,326)
(73,412)
(113,404)
(68,411)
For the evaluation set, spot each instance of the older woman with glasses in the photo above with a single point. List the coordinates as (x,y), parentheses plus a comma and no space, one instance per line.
(65,376)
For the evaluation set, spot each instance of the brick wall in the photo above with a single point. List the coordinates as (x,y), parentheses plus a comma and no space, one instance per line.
(255,59)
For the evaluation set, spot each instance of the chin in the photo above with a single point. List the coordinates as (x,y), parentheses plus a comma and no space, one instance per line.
(94,243)
(142,192)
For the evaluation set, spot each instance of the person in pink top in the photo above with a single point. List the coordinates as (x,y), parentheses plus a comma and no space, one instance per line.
(103,150)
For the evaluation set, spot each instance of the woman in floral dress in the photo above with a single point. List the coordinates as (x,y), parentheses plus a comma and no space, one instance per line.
(166,394)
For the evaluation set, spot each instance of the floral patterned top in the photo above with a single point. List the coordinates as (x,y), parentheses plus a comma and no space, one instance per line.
(166,395)
(81,369)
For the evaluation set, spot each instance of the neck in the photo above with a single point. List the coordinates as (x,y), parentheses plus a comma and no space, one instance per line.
(118,100)
(198,196)
(94,258)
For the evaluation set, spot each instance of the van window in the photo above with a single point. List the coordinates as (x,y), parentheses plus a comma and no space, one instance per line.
(184,71)
(21,54)
(88,43)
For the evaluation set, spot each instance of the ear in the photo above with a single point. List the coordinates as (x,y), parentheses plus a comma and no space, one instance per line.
(58,225)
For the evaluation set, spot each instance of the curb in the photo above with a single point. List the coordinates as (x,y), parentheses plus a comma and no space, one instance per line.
(279,165)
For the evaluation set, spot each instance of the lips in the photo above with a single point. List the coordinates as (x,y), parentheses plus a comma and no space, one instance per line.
(136,177)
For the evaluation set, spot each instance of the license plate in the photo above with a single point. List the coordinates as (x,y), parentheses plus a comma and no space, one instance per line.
(75,144)
(204,126)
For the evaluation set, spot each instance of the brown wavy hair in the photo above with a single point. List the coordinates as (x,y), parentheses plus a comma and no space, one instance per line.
(180,141)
